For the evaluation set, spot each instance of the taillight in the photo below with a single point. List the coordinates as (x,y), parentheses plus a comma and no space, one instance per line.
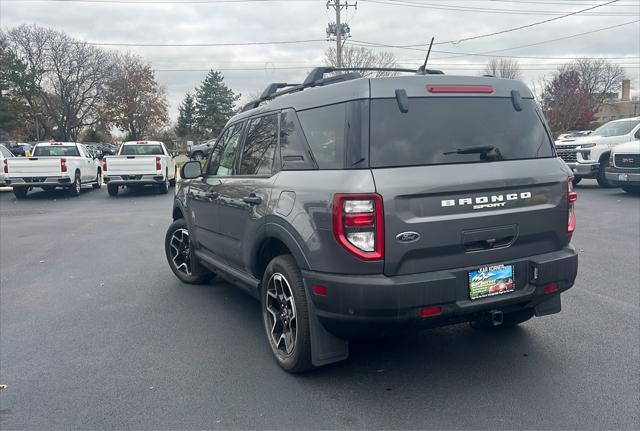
(63,165)
(5,166)
(358,224)
(158,165)
(571,198)
(104,164)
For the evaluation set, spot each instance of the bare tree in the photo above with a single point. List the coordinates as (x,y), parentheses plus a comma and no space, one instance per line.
(354,56)
(503,68)
(64,79)
(598,77)
(135,102)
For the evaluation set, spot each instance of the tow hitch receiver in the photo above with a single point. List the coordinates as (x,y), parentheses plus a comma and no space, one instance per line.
(496,317)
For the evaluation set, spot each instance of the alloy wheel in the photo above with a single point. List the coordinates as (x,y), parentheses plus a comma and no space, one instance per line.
(281,314)
(181,251)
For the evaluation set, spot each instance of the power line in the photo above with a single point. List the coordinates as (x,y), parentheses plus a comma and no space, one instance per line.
(280,42)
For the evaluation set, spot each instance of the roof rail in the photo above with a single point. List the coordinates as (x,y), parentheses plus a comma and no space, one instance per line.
(266,94)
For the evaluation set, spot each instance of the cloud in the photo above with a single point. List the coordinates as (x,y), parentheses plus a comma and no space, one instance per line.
(300,20)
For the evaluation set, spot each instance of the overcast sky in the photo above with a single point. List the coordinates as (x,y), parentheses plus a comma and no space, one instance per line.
(409,22)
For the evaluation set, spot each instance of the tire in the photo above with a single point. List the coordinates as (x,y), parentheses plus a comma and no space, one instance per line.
(98,182)
(164,187)
(20,192)
(601,178)
(76,187)
(112,189)
(285,314)
(198,155)
(509,320)
(181,257)
(576,180)
(634,190)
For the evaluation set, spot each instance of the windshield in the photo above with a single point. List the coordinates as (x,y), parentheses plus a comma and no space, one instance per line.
(141,150)
(455,130)
(56,151)
(616,128)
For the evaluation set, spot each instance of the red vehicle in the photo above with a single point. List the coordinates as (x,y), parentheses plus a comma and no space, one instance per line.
(502,286)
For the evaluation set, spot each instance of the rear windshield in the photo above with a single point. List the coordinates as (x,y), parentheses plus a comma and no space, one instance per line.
(455,130)
(141,150)
(56,151)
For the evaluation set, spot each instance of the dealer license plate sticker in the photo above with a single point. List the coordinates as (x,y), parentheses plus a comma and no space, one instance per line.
(490,281)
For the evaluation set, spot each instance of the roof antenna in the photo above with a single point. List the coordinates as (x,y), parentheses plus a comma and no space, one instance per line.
(424,66)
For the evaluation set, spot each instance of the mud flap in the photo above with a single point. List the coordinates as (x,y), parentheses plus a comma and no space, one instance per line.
(550,306)
(326,348)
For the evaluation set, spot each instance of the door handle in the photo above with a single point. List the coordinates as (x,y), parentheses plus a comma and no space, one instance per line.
(252,199)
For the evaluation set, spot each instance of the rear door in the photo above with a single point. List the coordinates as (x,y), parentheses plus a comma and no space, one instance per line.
(243,196)
(465,181)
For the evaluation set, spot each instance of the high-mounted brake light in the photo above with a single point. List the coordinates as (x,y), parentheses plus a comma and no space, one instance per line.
(158,165)
(56,143)
(571,198)
(141,142)
(358,224)
(63,165)
(484,89)
(5,166)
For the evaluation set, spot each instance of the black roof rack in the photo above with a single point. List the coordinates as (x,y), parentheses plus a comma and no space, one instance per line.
(316,78)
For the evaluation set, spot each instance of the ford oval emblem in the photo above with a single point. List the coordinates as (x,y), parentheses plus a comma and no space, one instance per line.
(408,236)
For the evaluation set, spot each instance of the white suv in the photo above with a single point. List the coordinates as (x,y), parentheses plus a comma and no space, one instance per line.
(589,156)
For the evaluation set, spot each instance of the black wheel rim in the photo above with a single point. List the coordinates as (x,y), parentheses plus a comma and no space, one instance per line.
(180,251)
(280,315)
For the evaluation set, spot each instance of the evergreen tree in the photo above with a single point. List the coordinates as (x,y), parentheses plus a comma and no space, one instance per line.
(214,105)
(186,117)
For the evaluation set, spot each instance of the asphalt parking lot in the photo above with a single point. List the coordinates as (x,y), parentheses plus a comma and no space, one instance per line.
(96,332)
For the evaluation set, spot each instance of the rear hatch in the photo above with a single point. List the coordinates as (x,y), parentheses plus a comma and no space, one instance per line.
(474,177)
(20,167)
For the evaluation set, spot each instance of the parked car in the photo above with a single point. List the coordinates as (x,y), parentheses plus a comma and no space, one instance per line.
(139,163)
(353,206)
(5,155)
(54,164)
(589,156)
(201,151)
(624,167)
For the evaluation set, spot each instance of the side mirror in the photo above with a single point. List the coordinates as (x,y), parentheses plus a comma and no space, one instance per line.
(191,170)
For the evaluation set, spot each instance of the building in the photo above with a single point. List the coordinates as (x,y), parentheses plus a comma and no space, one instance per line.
(617,109)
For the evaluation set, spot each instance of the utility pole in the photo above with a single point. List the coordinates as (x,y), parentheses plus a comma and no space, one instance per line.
(337,29)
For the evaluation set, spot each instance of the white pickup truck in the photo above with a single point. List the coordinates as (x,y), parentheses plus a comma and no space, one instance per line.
(139,163)
(588,156)
(53,164)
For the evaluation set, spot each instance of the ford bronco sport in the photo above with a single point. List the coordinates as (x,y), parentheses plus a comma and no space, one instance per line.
(353,206)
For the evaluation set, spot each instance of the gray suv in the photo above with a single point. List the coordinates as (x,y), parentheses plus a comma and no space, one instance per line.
(352,207)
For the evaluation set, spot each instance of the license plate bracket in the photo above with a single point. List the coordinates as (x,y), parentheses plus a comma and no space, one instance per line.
(491,280)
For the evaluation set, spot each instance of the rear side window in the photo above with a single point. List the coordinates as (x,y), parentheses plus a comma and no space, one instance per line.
(294,151)
(324,129)
(260,146)
(455,130)
(56,151)
(141,150)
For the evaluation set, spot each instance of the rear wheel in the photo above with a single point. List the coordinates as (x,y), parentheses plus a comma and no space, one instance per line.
(20,192)
(76,187)
(509,320)
(164,187)
(634,190)
(98,182)
(182,260)
(285,314)
(112,189)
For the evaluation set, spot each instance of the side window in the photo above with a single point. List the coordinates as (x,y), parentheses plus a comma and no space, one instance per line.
(637,135)
(224,155)
(294,151)
(324,129)
(260,146)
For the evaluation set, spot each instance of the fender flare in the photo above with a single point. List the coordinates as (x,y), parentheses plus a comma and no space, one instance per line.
(280,232)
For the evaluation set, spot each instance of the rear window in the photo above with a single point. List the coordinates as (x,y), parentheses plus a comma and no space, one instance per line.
(56,151)
(455,130)
(141,150)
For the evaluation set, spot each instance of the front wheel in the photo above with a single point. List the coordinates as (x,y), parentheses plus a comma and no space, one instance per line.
(634,190)
(285,314)
(182,260)
(98,182)
(601,178)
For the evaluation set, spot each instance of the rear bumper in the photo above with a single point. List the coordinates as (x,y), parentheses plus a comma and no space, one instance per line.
(39,182)
(584,170)
(131,180)
(623,177)
(372,304)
